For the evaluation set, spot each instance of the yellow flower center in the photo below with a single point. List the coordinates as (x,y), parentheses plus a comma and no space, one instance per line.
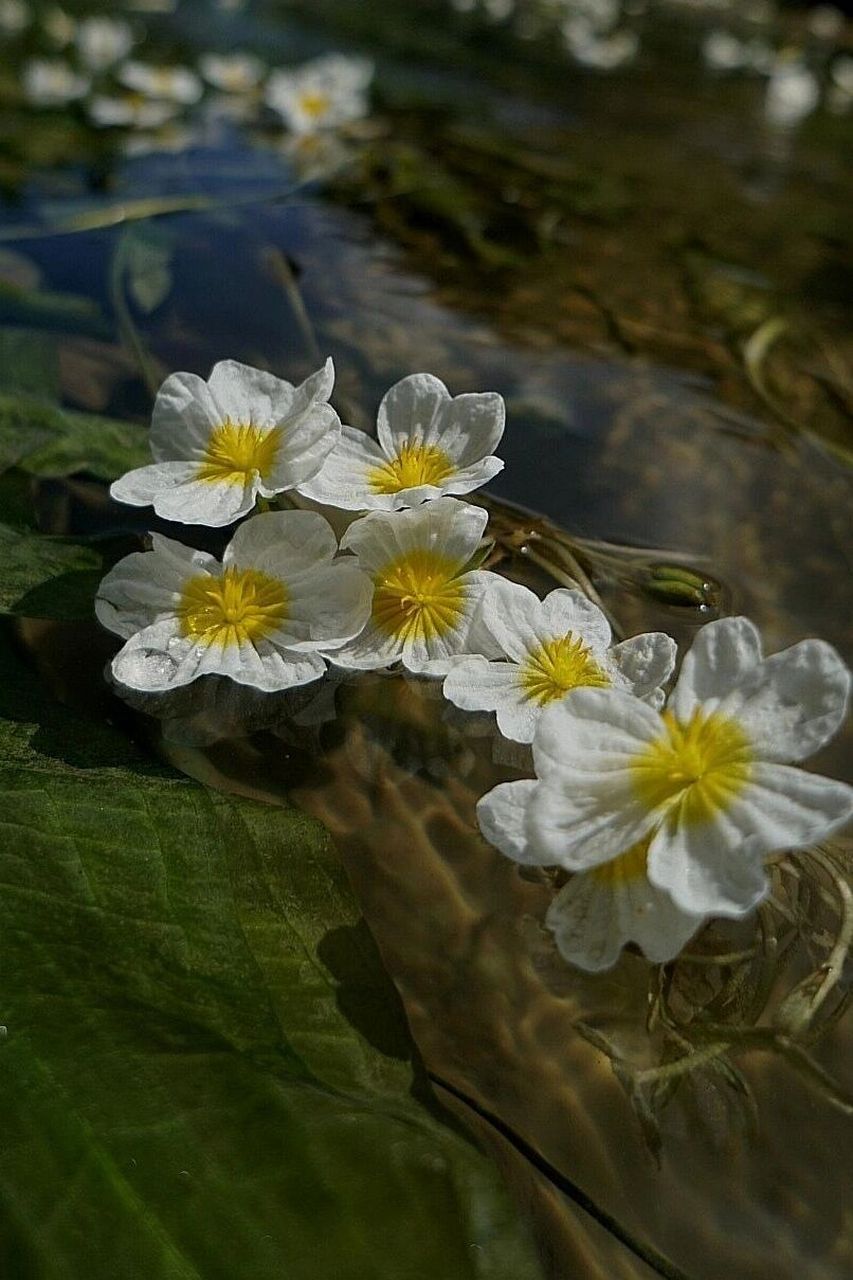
(314,103)
(243,605)
(630,865)
(233,77)
(414,465)
(559,665)
(237,449)
(418,596)
(693,770)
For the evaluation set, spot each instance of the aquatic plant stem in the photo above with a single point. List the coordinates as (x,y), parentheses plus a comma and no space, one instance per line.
(279,268)
(126,326)
(640,1248)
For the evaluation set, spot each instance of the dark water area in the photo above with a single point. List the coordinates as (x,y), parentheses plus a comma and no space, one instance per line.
(633,222)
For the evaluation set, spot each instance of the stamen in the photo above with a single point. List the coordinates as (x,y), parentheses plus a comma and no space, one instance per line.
(236,450)
(414,465)
(559,665)
(418,596)
(694,770)
(243,605)
(314,103)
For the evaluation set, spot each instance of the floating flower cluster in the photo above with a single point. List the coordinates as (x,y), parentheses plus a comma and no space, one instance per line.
(806,69)
(664,808)
(92,61)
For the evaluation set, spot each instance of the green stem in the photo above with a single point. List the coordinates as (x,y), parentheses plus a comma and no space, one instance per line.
(126,326)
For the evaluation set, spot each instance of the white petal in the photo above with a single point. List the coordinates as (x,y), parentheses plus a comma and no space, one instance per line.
(214,503)
(317,386)
(184,415)
(159,658)
(309,439)
(153,660)
(585,823)
(593,734)
(566,610)
(793,702)
(588,809)
(413,497)
(343,480)
(410,411)
(327,607)
(446,526)
(471,426)
(644,662)
(475,684)
(709,868)
(514,617)
(592,920)
(420,409)
(369,651)
(502,817)
(182,555)
(266,667)
(470,478)
(717,866)
(282,543)
(719,658)
(146,586)
(244,394)
(787,808)
(140,487)
(517,720)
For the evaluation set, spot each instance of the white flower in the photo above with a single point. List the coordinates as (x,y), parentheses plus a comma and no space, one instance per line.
(842,73)
(792,94)
(826,22)
(130,111)
(603,52)
(429,444)
(231,73)
(552,646)
(601,14)
(499,10)
(264,616)
(101,42)
(321,94)
(218,444)
(839,97)
(53,83)
(723,51)
(598,911)
(59,26)
(424,601)
(175,84)
(707,781)
(14,16)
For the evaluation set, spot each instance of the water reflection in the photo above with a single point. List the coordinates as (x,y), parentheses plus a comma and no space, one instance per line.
(708,1087)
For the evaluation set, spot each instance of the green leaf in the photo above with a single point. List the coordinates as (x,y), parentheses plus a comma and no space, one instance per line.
(29,362)
(148,264)
(60,312)
(183,1096)
(47,577)
(51,442)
